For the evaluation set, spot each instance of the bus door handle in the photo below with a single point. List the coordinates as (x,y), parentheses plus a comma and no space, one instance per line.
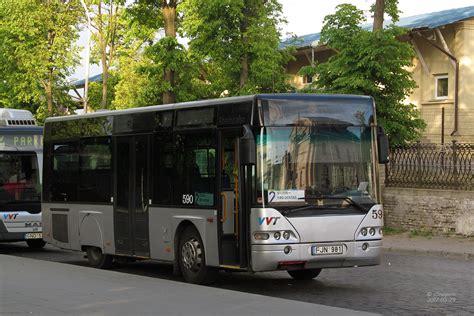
(224,207)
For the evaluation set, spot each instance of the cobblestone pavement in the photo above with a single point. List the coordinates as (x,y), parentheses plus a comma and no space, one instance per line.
(402,284)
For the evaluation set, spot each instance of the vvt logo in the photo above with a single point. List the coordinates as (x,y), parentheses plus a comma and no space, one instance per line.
(10,216)
(268,220)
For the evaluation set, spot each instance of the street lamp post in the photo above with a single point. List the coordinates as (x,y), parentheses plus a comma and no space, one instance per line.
(88,51)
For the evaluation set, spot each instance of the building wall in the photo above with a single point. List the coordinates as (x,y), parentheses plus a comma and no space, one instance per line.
(459,38)
(304,58)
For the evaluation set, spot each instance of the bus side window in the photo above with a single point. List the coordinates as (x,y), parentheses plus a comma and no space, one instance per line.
(163,168)
(196,169)
(65,171)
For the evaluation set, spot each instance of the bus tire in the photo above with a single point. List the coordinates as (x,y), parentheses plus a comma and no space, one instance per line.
(98,259)
(192,258)
(35,243)
(306,274)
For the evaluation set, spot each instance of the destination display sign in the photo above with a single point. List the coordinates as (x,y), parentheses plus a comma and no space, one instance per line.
(21,141)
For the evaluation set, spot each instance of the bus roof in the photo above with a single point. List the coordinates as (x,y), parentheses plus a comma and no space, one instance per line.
(220,101)
(13,117)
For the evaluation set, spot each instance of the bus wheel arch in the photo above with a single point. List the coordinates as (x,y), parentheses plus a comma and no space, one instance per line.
(190,257)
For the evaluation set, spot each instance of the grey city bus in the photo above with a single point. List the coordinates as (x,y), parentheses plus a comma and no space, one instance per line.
(253,183)
(21,160)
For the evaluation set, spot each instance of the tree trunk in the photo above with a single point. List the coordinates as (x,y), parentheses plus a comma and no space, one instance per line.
(378,15)
(169,15)
(105,77)
(49,96)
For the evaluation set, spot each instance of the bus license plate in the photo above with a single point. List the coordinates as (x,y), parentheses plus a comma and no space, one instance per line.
(33,235)
(326,250)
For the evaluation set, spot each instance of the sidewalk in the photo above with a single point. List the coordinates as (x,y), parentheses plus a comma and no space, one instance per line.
(35,287)
(454,247)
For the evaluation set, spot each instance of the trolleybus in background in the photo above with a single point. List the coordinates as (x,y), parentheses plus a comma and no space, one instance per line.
(256,183)
(21,160)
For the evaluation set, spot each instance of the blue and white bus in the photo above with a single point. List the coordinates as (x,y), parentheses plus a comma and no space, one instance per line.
(255,183)
(21,160)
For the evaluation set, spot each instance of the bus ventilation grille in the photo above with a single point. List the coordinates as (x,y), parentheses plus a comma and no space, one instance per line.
(17,122)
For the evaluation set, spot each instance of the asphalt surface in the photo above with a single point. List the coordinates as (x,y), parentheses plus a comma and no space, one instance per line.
(402,284)
(51,288)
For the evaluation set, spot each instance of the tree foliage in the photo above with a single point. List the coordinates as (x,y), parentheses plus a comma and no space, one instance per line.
(370,63)
(109,26)
(37,53)
(238,42)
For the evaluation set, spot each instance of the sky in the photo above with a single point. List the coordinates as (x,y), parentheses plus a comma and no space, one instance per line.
(306,16)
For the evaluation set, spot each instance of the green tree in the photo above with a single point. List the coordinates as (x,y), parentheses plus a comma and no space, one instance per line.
(162,15)
(370,63)
(238,42)
(38,53)
(109,25)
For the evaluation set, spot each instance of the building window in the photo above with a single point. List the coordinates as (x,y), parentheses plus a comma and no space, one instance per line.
(307,79)
(441,87)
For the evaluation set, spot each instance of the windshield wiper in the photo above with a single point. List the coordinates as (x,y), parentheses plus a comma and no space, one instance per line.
(324,197)
(345,198)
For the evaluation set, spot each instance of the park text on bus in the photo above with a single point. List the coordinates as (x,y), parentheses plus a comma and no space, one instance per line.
(256,183)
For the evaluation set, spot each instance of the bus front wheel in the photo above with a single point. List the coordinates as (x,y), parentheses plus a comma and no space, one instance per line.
(192,259)
(35,243)
(98,259)
(306,274)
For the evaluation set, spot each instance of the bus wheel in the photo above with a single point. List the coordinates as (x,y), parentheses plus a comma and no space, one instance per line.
(307,274)
(35,243)
(192,259)
(97,259)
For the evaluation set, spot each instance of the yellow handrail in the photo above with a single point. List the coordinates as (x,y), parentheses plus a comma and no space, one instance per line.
(224,212)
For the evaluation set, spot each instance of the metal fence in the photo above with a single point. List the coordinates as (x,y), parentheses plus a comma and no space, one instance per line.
(433,166)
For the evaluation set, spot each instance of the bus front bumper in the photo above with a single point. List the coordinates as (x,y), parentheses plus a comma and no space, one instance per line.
(272,257)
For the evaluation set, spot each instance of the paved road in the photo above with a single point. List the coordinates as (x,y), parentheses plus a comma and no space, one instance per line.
(52,288)
(401,284)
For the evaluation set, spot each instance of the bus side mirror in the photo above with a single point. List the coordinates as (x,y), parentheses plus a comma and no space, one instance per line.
(247,147)
(382,144)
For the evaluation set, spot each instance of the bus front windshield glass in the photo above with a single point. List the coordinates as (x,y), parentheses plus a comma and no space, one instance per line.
(300,163)
(19,178)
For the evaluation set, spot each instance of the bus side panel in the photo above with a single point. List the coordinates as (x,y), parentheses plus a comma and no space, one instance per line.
(164,223)
(71,226)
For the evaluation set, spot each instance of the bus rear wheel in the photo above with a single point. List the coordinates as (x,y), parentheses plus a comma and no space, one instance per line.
(306,274)
(192,259)
(98,259)
(35,243)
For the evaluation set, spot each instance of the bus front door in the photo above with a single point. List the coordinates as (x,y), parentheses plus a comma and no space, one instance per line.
(132,155)
(229,198)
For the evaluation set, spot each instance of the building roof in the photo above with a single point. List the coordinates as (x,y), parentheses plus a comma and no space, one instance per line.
(79,84)
(422,21)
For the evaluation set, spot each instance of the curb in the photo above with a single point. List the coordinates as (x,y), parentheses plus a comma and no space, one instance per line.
(437,253)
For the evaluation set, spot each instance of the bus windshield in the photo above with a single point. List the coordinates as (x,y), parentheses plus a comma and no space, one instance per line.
(19,178)
(302,162)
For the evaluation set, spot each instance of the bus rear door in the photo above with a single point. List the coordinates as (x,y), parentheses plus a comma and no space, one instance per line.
(132,167)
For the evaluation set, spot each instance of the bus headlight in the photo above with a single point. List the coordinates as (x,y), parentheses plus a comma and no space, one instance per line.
(363,231)
(372,231)
(286,235)
(277,235)
(261,236)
